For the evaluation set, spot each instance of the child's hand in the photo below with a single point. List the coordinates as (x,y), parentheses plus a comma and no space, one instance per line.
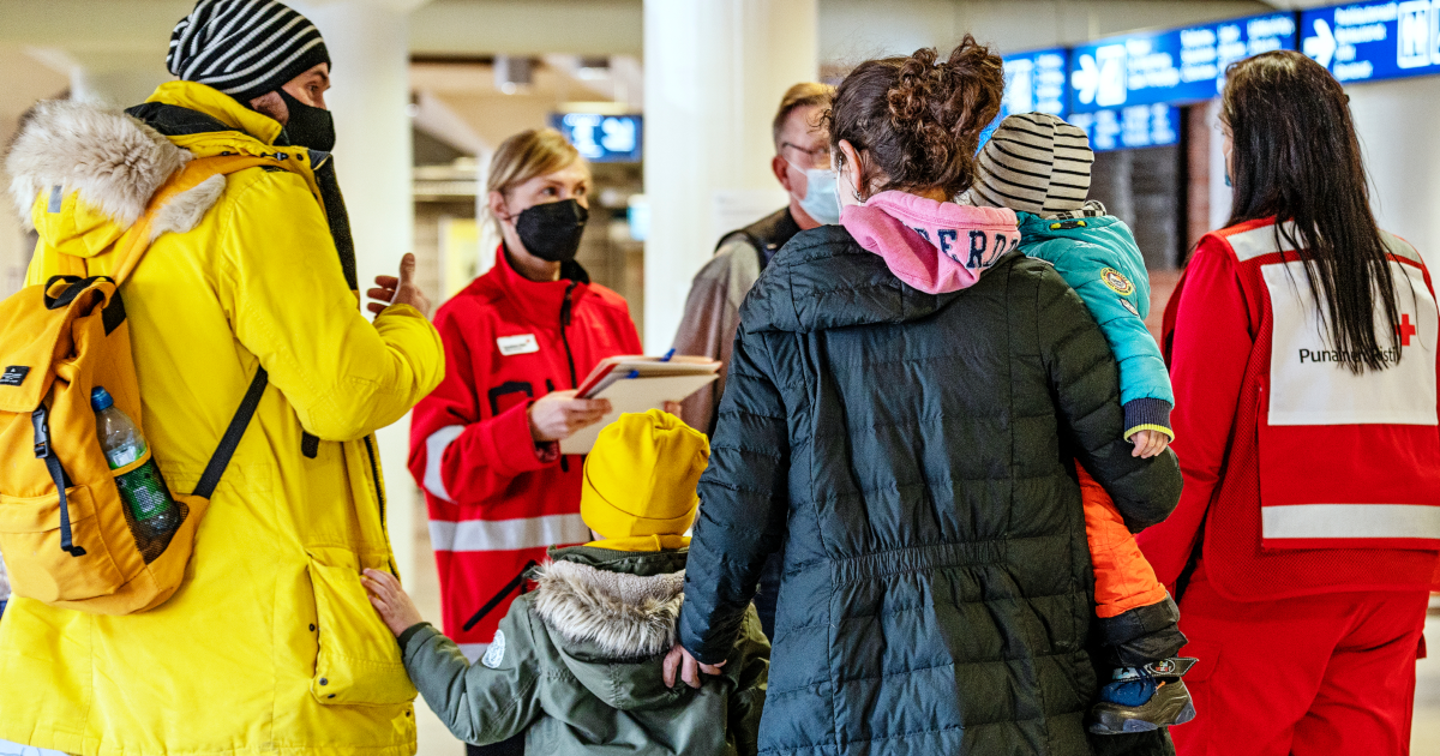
(1149,443)
(391,601)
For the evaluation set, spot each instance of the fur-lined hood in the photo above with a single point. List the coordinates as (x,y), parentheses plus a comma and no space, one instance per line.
(112,160)
(623,616)
(611,629)
(95,170)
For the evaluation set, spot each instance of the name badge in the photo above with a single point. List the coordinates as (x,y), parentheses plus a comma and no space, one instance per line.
(513,345)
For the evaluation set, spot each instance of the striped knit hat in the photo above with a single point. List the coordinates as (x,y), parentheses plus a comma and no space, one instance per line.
(1034,162)
(244,48)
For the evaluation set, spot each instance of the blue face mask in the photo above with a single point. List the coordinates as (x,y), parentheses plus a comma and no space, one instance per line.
(822,199)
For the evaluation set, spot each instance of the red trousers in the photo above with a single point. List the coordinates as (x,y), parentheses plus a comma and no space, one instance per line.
(1329,675)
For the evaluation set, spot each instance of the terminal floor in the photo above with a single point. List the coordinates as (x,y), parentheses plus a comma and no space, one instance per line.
(435,740)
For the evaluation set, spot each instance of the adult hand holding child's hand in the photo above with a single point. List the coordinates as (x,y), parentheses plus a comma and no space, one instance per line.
(678,659)
(391,601)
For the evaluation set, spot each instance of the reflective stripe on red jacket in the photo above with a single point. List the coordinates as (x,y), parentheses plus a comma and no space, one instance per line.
(496,498)
(1301,477)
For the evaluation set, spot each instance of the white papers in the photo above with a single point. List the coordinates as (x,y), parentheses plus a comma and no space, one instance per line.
(638,394)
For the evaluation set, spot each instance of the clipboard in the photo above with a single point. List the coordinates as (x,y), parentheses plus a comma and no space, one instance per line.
(638,384)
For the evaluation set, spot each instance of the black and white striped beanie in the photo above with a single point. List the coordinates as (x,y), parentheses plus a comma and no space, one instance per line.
(244,48)
(1034,162)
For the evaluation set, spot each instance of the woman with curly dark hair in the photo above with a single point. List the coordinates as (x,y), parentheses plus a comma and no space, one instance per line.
(908,398)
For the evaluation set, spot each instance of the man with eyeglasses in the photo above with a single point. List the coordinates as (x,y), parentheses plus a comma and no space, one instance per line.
(712,311)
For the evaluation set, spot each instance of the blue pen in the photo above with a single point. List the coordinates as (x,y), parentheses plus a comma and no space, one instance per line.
(668,355)
(633,374)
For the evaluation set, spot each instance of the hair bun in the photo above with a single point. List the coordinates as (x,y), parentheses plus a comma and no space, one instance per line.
(919,117)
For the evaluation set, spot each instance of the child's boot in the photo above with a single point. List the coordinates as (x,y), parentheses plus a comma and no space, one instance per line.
(1144,698)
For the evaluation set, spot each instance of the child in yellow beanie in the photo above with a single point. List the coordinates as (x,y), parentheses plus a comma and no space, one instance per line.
(576,664)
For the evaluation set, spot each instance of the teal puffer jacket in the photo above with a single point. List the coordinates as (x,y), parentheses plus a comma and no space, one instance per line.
(1098,257)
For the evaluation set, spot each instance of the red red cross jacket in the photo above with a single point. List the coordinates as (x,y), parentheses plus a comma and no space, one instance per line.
(1301,477)
(496,498)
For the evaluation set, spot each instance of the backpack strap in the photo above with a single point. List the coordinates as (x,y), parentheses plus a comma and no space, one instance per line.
(41,420)
(131,247)
(229,442)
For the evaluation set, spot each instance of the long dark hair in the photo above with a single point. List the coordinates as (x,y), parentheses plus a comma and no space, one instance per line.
(918,119)
(1296,158)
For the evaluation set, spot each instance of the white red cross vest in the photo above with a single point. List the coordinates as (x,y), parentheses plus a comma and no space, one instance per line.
(1346,460)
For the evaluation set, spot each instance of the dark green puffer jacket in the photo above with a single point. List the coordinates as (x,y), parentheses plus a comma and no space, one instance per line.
(576,664)
(913,454)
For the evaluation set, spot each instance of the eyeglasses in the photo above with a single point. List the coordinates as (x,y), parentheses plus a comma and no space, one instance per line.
(819,157)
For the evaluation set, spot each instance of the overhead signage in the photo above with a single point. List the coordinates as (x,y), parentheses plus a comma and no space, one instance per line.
(1376,40)
(1131,127)
(601,138)
(1035,83)
(1171,67)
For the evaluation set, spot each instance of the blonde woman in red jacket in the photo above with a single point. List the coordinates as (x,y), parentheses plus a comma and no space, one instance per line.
(518,340)
(1302,345)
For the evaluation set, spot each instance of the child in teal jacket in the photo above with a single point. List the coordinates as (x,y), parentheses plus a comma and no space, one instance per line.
(1039,166)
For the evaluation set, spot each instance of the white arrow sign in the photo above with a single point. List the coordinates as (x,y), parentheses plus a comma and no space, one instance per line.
(1322,46)
(1086,79)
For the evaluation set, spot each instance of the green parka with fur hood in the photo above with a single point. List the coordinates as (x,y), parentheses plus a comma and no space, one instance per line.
(575,665)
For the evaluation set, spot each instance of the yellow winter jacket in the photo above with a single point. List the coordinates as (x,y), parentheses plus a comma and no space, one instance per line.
(271,644)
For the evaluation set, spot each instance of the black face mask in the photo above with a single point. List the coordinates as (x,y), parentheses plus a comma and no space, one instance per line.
(552,231)
(309,126)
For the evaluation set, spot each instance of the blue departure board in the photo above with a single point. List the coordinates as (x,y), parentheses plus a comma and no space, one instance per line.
(1172,67)
(1131,127)
(1035,82)
(1377,40)
(601,138)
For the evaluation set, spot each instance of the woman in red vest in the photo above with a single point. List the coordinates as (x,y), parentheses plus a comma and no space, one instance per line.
(518,340)
(1302,346)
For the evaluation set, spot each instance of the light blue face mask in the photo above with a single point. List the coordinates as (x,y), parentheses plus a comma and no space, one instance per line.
(822,199)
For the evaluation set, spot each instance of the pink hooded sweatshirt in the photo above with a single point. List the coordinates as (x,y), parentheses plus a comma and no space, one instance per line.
(936,247)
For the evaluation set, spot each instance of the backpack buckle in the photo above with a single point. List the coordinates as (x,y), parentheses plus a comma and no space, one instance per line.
(40,418)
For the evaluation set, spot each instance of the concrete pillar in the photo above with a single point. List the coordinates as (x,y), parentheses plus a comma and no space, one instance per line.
(1221,195)
(108,78)
(1401,157)
(370,89)
(714,72)
(115,87)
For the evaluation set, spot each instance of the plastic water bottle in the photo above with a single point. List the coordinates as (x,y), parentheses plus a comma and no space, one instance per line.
(154,514)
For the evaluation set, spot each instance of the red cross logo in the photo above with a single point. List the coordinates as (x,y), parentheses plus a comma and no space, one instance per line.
(1405,330)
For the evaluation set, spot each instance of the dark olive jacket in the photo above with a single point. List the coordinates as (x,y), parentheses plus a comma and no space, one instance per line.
(576,666)
(914,454)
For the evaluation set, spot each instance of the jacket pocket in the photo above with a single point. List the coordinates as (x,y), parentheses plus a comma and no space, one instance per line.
(359,662)
(38,567)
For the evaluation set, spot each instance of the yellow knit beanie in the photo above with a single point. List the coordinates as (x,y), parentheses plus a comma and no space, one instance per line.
(641,475)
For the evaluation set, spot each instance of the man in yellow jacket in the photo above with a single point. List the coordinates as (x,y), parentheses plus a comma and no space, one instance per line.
(270,645)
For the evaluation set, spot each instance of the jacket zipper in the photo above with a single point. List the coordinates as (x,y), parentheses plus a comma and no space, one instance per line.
(564,463)
(565,308)
(379,496)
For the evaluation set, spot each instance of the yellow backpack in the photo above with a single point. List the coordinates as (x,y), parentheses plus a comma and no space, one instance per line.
(65,532)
